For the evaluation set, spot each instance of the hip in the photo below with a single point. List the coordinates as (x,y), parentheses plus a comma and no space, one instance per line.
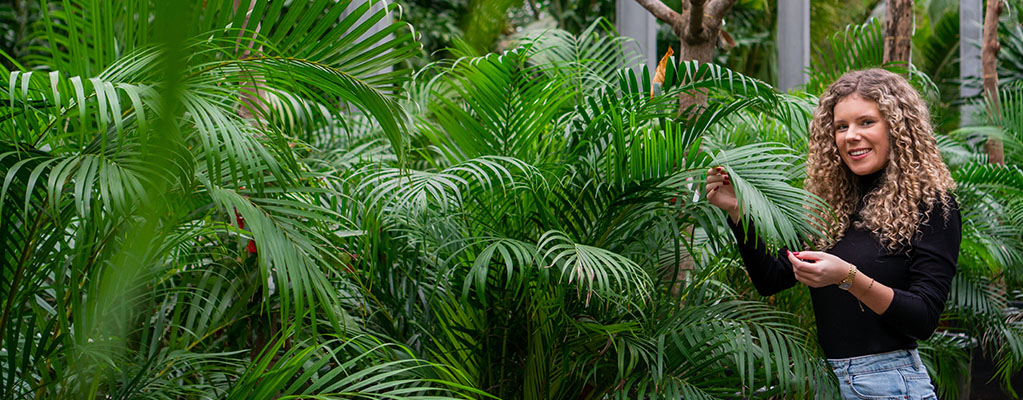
(896,374)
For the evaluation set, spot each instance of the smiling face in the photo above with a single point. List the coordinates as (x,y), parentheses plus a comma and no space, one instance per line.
(861,135)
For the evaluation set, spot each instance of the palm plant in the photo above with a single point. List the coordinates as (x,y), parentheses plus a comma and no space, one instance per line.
(532,246)
(163,234)
(243,209)
(989,274)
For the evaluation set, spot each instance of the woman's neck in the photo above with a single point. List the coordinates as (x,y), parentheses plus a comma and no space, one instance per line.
(868,182)
(865,184)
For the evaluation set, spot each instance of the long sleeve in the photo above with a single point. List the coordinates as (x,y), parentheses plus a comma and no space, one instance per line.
(935,250)
(770,274)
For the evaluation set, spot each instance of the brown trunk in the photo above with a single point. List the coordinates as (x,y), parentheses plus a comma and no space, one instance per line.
(704,53)
(699,40)
(697,27)
(898,31)
(989,62)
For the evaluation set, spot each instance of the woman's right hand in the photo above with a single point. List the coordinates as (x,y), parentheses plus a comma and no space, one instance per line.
(720,192)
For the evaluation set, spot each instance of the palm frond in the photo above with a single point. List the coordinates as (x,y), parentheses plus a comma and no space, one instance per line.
(291,255)
(515,254)
(989,244)
(760,174)
(597,270)
(338,369)
(590,60)
(501,109)
(726,349)
(946,356)
(419,190)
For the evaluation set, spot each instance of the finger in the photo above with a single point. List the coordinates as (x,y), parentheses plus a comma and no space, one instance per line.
(811,255)
(796,262)
(807,257)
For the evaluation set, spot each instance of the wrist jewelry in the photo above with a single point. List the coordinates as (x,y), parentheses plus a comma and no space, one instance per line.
(847,282)
(865,292)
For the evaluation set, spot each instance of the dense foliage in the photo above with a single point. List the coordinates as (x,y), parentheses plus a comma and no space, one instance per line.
(211,202)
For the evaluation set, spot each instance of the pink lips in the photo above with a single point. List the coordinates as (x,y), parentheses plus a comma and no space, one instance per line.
(860,156)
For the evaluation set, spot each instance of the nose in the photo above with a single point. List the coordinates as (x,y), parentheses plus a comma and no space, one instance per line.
(852,134)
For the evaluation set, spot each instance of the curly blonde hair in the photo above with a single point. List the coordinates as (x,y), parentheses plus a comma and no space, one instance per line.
(914,177)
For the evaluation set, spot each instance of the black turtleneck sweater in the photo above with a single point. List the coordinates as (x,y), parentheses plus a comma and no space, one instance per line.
(920,275)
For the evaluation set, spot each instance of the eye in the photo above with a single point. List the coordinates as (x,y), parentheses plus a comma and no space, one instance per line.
(841,127)
(868,122)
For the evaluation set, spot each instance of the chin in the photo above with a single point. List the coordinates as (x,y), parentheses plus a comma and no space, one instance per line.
(867,170)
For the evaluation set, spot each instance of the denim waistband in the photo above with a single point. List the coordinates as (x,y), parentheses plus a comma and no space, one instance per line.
(876,362)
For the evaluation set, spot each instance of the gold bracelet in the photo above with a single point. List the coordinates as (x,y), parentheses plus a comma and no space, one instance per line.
(865,292)
(846,283)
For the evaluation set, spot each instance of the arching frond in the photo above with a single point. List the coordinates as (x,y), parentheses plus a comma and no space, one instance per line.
(500,109)
(760,174)
(514,253)
(590,61)
(740,348)
(339,369)
(421,189)
(946,356)
(599,271)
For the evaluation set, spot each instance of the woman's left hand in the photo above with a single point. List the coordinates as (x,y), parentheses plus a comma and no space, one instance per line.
(818,269)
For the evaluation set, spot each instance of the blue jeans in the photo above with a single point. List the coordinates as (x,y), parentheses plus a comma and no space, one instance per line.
(893,375)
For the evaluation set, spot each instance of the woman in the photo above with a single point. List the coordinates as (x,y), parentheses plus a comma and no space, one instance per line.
(882,281)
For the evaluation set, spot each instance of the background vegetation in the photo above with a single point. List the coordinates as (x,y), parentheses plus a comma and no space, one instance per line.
(214,201)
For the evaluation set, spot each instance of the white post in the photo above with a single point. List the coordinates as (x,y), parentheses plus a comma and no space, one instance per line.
(375,7)
(634,21)
(971,33)
(793,43)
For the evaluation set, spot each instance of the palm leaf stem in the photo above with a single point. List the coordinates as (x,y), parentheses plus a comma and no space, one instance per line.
(22,264)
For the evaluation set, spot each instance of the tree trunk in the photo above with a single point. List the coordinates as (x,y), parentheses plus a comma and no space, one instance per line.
(898,31)
(697,28)
(702,51)
(989,62)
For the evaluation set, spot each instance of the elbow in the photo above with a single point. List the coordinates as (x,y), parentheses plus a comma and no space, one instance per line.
(914,315)
(764,290)
(923,329)
(923,333)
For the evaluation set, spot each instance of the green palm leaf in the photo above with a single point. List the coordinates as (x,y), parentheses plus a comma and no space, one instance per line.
(338,369)
(590,60)
(600,271)
(760,174)
(499,108)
